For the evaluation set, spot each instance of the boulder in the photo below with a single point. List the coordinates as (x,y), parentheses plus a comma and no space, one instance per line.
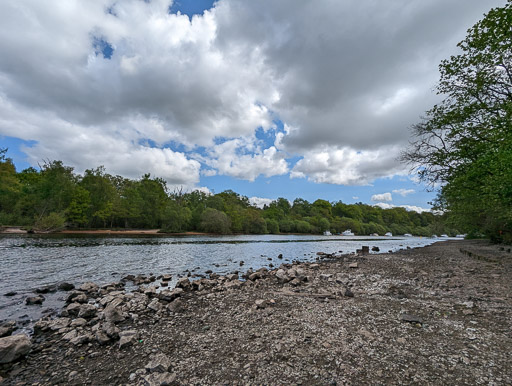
(46,290)
(39,299)
(176,306)
(79,322)
(66,286)
(169,296)
(102,338)
(155,305)
(282,276)
(183,283)
(87,311)
(111,330)
(159,363)
(89,287)
(73,308)
(13,347)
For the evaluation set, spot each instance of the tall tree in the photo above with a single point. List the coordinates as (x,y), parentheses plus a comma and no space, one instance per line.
(465,142)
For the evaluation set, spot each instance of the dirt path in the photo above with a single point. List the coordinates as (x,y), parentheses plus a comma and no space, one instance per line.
(433,315)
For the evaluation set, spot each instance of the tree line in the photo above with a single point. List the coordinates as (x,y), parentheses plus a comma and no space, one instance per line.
(55,197)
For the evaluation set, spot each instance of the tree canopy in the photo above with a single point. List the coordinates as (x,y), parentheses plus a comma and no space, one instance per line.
(464,144)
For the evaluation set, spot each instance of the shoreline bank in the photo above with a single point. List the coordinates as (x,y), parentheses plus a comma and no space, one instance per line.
(427,315)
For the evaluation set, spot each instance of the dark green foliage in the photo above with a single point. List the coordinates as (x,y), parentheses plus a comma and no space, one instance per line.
(465,143)
(56,196)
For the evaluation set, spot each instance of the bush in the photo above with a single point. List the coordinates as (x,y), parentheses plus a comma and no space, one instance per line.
(215,221)
(51,223)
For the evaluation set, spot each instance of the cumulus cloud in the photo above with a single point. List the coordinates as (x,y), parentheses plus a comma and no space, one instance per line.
(346,166)
(89,80)
(404,192)
(260,202)
(384,197)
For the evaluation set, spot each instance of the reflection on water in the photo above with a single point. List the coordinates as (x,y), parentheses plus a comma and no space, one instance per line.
(28,262)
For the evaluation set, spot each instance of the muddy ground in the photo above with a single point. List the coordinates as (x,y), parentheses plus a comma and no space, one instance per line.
(435,315)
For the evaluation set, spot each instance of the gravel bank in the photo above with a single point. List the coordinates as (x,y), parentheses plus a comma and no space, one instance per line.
(435,315)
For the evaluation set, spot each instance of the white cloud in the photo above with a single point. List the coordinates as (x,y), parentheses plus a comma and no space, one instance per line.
(345,92)
(260,202)
(355,198)
(346,166)
(242,158)
(410,208)
(384,197)
(404,192)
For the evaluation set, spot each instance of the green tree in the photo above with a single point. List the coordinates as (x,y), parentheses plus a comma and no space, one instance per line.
(465,142)
(215,221)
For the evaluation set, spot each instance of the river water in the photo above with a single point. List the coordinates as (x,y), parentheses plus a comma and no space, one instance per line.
(28,262)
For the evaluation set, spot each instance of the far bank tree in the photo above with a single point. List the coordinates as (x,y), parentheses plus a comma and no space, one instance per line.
(465,142)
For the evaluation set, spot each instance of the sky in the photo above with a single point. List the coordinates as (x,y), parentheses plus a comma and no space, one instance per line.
(310,99)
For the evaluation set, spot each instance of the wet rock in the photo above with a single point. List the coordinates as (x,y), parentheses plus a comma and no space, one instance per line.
(254,276)
(375,249)
(10,293)
(39,299)
(76,295)
(127,338)
(87,311)
(166,277)
(66,286)
(14,347)
(89,287)
(183,283)
(46,290)
(7,328)
(159,379)
(159,363)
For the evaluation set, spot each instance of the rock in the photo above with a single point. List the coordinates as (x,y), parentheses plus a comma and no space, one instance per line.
(80,339)
(353,265)
(7,328)
(39,299)
(325,276)
(155,305)
(66,286)
(233,276)
(314,266)
(13,347)
(87,311)
(411,318)
(260,304)
(102,338)
(79,322)
(46,290)
(10,293)
(81,298)
(70,335)
(254,276)
(127,338)
(159,363)
(159,379)
(348,293)
(113,314)
(282,276)
(183,283)
(169,296)
(166,277)
(176,306)
(111,330)
(280,256)
(375,249)
(89,287)
(295,282)
(73,308)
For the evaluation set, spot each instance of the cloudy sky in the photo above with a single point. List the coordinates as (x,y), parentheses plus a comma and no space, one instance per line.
(287,98)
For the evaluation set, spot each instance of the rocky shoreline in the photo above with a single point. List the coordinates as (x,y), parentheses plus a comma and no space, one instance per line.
(441,314)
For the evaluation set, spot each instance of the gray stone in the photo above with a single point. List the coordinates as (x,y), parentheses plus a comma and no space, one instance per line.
(282,276)
(353,265)
(87,311)
(176,306)
(232,276)
(102,338)
(159,379)
(66,286)
(411,318)
(169,296)
(183,283)
(127,338)
(111,330)
(80,298)
(70,335)
(89,287)
(113,314)
(80,339)
(159,363)
(13,347)
(79,322)
(260,303)
(155,305)
(73,308)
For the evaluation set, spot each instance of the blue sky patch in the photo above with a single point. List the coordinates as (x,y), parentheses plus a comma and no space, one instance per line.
(102,47)
(191,7)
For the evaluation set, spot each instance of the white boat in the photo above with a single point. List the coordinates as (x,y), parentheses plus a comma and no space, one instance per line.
(389,234)
(374,234)
(348,232)
(407,235)
(461,236)
(444,235)
(327,233)
(434,236)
